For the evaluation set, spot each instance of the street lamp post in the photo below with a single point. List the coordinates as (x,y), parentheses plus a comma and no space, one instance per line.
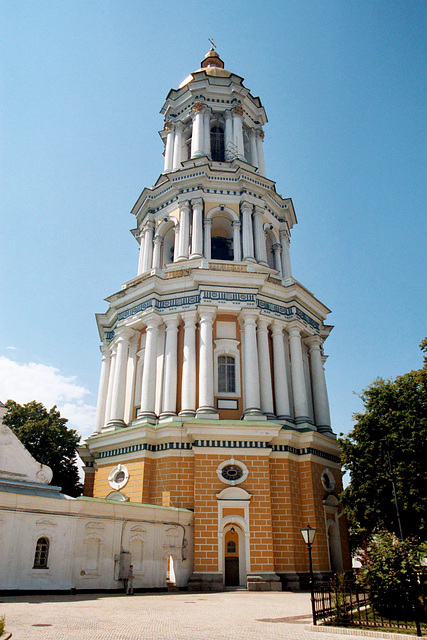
(308,534)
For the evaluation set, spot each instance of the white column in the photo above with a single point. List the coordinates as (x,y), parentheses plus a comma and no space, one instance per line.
(198,136)
(170,367)
(119,389)
(148,387)
(251,369)
(254,150)
(139,369)
(260,150)
(260,247)
(229,141)
(298,379)
(264,367)
(207,238)
(141,252)
(277,249)
(184,230)
(110,382)
(169,146)
(320,392)
(248,239)
(103,388)
(197,235)
(188,389)
(237,252)
(176,242)
(238,131)
(177,146)
(207,129)
(130,379)
(148,246)
(281,394)
(206,373)
(286,259)
(157,254)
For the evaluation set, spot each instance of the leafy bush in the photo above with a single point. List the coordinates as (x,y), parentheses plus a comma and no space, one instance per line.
(2,618)
(389,573)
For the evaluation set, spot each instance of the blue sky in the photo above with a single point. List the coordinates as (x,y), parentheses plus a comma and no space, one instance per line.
(343,84)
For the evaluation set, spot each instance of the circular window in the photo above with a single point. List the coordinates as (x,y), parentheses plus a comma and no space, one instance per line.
(118,477)
(328,480)
(232,471)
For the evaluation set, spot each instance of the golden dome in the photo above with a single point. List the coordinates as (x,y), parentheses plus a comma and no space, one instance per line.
(212,65)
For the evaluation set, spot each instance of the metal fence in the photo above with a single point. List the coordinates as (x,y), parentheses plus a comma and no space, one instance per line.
(344,603)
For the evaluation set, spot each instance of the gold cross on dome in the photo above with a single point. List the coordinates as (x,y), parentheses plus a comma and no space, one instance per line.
(212,42)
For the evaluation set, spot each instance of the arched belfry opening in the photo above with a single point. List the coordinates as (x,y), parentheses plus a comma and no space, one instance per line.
(222,236)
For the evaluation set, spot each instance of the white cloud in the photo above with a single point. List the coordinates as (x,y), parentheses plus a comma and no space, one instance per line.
(32,381)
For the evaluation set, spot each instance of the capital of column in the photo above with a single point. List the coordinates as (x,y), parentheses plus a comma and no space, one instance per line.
(236,224)
(123,333)
(198,108)
(314,342)
(263,323)
(276,328)
(238,110)
(168,126)
(293,330)
(184,206)
(285,236)
(171,321)
(158,239)
(258,211)
(149,225)
(228,114)
(246,207)
(248,316)
(208,222)
(197,202)
(206,314)
(189,318)
(152,321)
(105,351)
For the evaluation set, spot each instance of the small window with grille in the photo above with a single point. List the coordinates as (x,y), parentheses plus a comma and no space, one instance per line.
(42,553)
(226,374)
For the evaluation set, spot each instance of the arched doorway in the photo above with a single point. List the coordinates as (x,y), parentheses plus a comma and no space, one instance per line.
(231,558)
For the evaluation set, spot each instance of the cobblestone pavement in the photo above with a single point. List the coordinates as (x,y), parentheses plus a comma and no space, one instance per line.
(236,615)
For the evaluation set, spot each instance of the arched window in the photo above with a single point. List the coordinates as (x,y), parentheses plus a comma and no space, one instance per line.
(226,374)
(231,546)
(217,144)
(42,553)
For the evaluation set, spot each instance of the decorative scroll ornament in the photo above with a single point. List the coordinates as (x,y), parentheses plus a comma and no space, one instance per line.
(238,110)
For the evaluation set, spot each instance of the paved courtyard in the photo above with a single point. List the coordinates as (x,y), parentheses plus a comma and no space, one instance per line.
(236,615)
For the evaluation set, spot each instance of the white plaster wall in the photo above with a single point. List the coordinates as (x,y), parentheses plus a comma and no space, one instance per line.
(69,523)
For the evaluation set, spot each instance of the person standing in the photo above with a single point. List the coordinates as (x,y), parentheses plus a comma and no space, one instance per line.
(130,581)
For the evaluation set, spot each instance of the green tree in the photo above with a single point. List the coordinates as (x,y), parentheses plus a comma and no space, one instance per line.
(389,571)
(395,410)
(48,439)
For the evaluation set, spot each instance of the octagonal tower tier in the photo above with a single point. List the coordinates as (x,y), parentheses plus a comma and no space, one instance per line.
(214,352)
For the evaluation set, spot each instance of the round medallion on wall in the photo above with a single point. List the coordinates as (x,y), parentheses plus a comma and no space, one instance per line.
(118,477)
(328,480)
(232,472)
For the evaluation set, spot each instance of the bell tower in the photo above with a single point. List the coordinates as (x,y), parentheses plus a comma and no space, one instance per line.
(212,394)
